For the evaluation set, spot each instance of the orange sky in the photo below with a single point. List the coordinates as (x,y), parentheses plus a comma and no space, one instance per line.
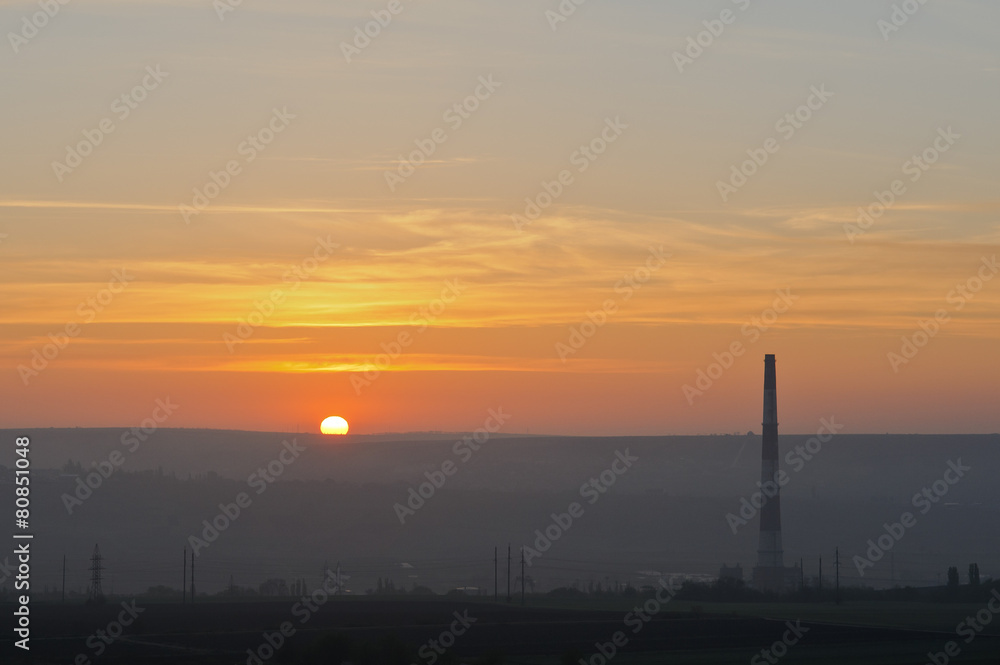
(349,264)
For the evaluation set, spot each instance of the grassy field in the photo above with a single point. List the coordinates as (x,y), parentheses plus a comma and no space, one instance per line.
(933,617)
(546,632)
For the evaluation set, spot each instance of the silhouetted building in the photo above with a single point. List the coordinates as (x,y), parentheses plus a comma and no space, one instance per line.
(734,573)
(274,587)
(770,574)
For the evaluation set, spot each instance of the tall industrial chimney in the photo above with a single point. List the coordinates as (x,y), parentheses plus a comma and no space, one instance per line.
(770,572)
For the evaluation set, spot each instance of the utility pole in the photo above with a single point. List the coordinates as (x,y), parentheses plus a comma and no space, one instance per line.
(837,564)
(508,572)
(821,576)
(522,575)
(192,576)
(95,594)
(184,582)
(64,580)
(802,574)
(496,576)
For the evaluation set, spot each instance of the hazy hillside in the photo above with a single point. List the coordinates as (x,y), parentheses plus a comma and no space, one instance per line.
(336,502)
(856,466)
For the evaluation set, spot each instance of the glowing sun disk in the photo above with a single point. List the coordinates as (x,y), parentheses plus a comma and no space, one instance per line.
(334,425)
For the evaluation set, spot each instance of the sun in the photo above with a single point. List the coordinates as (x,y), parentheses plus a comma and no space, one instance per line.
(334,425)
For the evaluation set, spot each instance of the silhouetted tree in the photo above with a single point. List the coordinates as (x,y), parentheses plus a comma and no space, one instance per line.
(974,574)
(161,591)
(953,577)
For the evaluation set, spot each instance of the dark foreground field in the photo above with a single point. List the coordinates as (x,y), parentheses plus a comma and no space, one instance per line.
(387,632)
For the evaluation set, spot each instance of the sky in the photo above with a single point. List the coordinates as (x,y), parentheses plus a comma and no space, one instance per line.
(598,220)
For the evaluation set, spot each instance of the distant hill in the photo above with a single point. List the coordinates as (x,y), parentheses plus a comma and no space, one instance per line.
(848,466)
(336,501)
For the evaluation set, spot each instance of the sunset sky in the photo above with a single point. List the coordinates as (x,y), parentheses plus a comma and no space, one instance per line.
(311,221)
